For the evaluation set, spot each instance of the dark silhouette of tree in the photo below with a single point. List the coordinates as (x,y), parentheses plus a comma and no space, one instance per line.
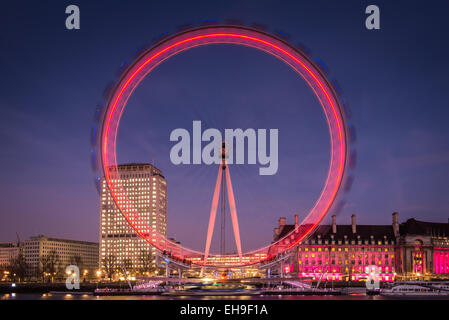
(18,267)
(109,265)
(76,260)
(50,265)
(128,265)
(146,260)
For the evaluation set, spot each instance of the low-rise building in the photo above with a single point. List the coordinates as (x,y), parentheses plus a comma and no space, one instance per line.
(42,253)
(351,252)
(8,252)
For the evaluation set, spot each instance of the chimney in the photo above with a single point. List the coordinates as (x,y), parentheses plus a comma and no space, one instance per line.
(334,224)
(282,221)
(276,233)
(354,229)
(296,221)
(396,224)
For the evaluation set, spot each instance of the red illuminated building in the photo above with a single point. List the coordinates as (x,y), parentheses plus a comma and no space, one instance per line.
(412,249)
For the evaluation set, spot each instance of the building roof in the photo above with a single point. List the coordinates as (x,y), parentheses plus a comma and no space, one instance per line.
(9,245)
(412,226)
(42,237)
(364,231)
(137,166)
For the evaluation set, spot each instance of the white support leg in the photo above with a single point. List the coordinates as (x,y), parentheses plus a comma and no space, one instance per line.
(213,213)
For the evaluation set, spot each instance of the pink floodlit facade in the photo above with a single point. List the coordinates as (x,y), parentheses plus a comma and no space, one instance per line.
(418,262)
(441,259)
(293,57)
(352,262)
(384,277)
(411,250)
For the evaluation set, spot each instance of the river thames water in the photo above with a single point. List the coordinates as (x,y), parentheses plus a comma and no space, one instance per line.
(24,296)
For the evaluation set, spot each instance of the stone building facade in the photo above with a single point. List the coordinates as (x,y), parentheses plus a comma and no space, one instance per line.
(351,252)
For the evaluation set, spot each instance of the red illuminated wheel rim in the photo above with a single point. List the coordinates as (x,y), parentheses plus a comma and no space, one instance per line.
(270,44)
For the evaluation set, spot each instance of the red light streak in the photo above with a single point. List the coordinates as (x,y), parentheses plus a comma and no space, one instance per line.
(222,37)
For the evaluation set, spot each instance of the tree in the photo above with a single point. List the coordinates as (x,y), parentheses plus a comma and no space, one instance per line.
(146,260)
(50,265)
(76,260)
(128,265)
(18,267)
(109,265)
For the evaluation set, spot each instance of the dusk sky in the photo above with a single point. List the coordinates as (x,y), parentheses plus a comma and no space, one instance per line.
(394,79)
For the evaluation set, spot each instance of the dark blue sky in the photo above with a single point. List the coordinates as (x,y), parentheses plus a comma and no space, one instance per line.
(395,81)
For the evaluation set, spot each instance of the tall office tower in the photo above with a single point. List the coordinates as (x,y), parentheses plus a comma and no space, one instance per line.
(120,246)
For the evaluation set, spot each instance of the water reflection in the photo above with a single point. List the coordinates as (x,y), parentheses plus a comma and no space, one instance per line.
(48,296)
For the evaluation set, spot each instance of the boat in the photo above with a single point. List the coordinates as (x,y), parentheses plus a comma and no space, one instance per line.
(212,292)
(414,290)
(441,286)
(73,293)
(126,292)
(302,291)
